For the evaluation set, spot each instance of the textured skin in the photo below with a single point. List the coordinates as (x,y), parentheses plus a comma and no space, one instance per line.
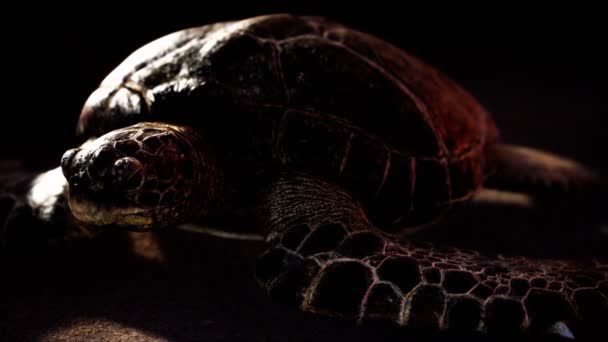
(328,258)
(145,175)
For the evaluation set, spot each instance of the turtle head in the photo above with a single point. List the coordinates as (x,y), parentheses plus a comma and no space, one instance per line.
(141,177)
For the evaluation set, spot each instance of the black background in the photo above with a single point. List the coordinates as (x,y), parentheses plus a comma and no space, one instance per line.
(541,72)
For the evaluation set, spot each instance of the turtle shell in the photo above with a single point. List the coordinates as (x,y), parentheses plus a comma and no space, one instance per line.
(313,95)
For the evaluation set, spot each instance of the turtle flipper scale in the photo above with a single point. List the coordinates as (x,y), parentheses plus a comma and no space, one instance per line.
(327,258)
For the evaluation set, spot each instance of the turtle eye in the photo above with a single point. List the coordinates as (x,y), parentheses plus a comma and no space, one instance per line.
(127,173)
(66,162)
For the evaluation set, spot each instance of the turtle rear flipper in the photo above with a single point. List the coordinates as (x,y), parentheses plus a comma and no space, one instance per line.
(544,176)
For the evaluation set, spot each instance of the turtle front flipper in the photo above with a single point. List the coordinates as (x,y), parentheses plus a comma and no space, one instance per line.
(34,211)
(327,258)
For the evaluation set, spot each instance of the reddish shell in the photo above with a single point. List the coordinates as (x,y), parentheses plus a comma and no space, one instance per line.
(312,95)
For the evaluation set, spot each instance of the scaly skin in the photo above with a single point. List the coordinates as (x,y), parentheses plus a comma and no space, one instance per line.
(142,176)
(329,259)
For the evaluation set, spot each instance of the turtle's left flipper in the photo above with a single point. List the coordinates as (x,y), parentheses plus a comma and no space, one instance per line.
(322,252)
(327,258)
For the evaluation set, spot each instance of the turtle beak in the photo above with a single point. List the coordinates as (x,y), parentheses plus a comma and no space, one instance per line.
(101,215)
(66,162)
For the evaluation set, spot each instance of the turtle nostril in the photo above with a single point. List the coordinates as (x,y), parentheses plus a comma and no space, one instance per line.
(127,173)
(66,162)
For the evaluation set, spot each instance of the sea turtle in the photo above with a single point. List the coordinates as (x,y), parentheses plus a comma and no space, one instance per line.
(335,144)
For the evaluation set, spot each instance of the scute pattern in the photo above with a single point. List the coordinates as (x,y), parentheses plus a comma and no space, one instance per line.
(369,108)
(398,281)
(451,109)
(319,77)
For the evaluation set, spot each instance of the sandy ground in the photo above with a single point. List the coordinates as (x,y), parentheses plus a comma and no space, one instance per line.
(180,286)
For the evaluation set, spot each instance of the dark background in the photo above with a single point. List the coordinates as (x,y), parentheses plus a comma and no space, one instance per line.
(541,72)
